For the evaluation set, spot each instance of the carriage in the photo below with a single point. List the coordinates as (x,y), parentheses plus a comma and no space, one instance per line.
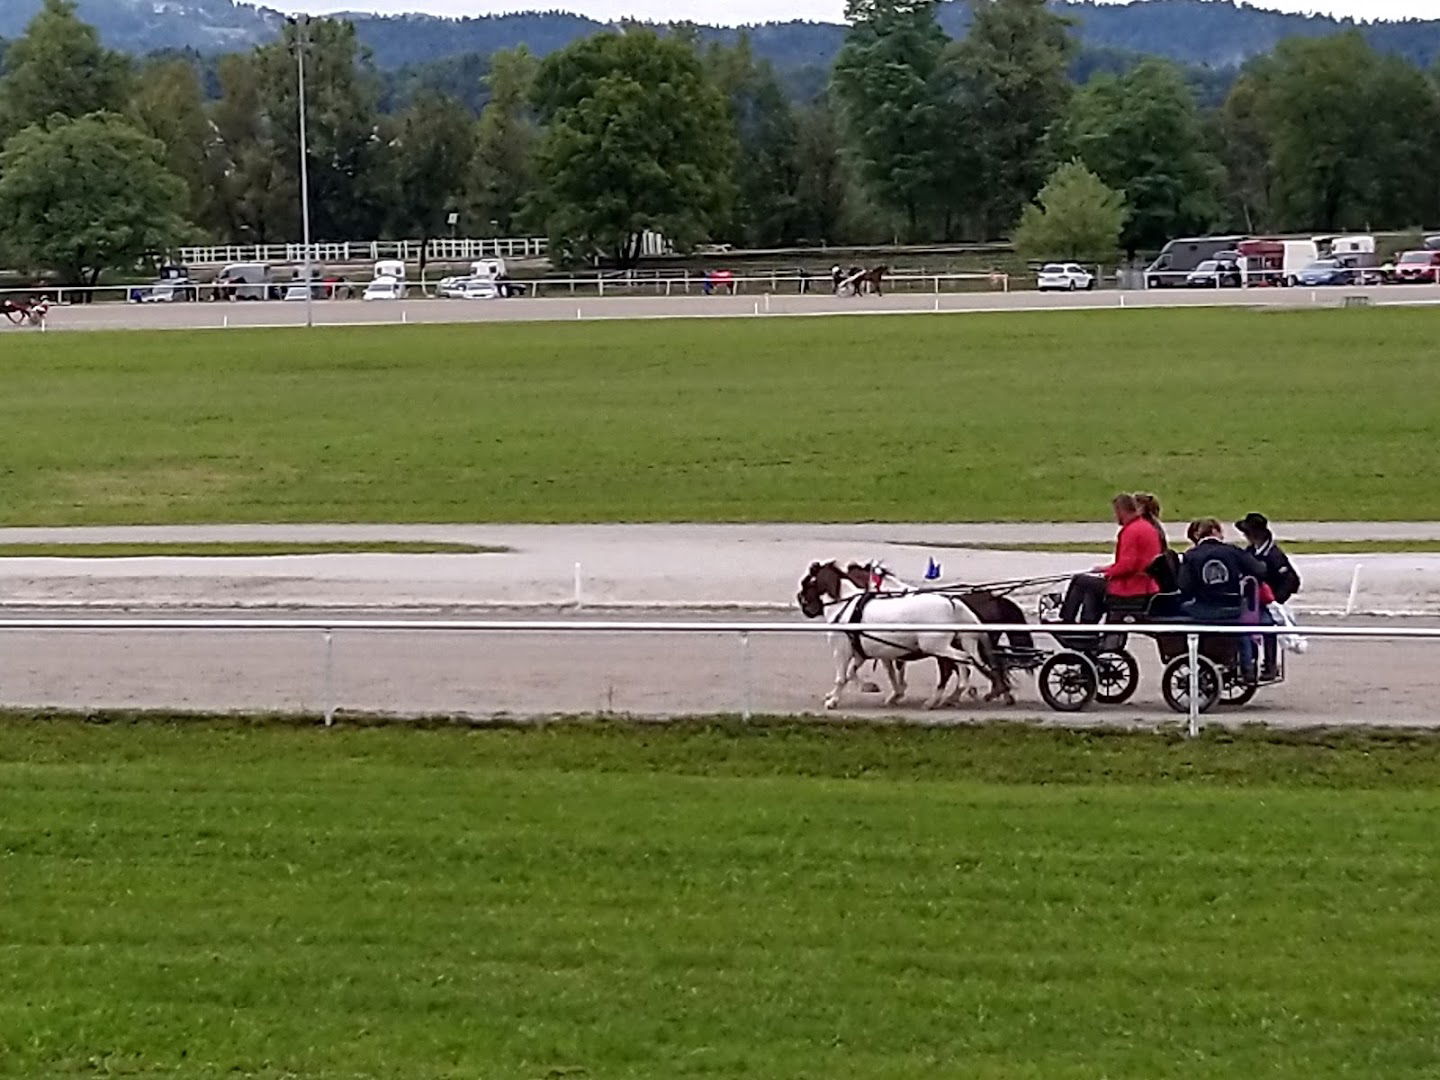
(1099,667)
(1088,667)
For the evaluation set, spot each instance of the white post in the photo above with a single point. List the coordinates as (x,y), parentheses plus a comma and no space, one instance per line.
(757,307)
(329,678)
(404,316)
(577,314)
(578,596)
(226,324)
(1192,643)
(745,676)
(1354,592)
(300,22)
(767,303)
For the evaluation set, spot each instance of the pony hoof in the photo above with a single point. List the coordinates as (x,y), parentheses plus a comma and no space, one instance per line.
(973,694)
(894,699)
(832,703)
(1009,699)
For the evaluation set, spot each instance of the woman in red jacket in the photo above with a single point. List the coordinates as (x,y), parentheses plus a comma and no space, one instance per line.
(1136,547)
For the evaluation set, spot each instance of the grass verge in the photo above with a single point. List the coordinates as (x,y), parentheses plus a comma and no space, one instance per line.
(243,548)
(1012,416)
(715,899)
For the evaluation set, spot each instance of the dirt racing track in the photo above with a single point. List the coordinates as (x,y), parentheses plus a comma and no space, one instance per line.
(628,572)
(192,316)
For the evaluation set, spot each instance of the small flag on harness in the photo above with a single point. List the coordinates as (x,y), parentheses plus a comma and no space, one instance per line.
(932,570)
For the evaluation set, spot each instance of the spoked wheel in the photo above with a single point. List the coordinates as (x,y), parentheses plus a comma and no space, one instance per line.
(1175,684)
(1068,682)
(1236,694)
(1118,677)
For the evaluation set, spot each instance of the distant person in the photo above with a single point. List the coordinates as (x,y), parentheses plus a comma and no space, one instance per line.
(1281,581)
(1137,545)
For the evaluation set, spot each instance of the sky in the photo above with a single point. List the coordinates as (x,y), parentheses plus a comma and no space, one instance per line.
(737,12)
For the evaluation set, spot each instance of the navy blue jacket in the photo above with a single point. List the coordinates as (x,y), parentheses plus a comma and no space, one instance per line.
(1211,573)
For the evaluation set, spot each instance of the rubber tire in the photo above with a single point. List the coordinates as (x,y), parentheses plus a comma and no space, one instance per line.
(1175,684)
(1073,286)
(1238,695)
(1078,666)
(1130,669)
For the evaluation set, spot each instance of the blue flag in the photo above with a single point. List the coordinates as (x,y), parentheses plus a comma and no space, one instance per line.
(932,571)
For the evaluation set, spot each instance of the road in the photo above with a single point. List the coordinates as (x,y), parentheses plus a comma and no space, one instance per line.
(487,675)
(114,316)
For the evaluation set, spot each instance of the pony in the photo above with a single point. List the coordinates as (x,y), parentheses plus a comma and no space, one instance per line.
(827,586)
(988,608)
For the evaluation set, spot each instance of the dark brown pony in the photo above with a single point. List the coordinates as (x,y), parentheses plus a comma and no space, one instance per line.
(872,281)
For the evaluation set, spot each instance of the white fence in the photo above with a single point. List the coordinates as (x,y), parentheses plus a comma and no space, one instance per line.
(679,283)
(742,631)
(352,251)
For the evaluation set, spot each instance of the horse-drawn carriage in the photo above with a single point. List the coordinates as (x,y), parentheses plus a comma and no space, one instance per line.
(25,312)
(1099,667)
(1085,668)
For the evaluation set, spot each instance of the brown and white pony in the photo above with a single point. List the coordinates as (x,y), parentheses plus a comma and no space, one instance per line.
(988,608)
(827,591)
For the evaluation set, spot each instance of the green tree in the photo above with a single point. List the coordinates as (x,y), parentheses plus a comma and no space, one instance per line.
(636,139)
(59,66)
(1076,217)
(350,178)
(891,87)
(821,182)
(168,104)
(1349,137)
(432,148)
(83,196)
(1011,88)
(254,197)
(502,172)
(1141,133)
(763,124)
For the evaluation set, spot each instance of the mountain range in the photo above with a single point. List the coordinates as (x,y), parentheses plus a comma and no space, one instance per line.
(1202,33)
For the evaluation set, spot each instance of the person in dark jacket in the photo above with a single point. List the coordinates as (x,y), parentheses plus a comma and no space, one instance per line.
(1281,581)
(1280,575)
(1212,572)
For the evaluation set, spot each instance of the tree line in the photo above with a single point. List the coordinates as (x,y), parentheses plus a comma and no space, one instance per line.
(916,137)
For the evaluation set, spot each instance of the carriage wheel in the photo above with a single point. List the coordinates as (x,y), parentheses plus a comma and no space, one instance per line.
(1236,693)
(1118,677)
(1175,684)
(1068,682)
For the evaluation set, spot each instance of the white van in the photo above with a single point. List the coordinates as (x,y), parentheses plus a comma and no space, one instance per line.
(1298,255)
(389,281)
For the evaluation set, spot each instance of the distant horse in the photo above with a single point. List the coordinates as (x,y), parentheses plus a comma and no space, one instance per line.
(26,312)
(826,586)
(872,281)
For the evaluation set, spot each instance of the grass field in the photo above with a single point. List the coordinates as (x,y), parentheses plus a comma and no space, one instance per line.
(1021,416)
(208,900)
(243,548)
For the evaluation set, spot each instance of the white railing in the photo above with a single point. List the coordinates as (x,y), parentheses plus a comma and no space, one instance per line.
(446,249)
(681,283)
(742,630)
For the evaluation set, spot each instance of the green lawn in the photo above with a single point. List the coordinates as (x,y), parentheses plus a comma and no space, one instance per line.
(1022,416)
(207,900)
(243,548)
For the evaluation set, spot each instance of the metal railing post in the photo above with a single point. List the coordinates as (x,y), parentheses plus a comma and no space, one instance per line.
(745,709)
(1192,644)
(329,677)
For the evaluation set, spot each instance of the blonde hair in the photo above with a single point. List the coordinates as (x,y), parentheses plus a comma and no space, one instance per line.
(1149,505)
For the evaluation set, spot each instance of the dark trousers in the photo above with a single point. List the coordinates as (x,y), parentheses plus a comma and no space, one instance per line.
(1084,599)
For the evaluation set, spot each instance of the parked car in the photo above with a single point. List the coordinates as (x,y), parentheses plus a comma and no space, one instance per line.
(385,288)
(1179,257)
(173,284)
(1418,267)
(1327,272)
(1067,277)
(1214,274)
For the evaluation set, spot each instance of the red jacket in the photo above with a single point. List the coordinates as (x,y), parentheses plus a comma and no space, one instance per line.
(1137,546)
